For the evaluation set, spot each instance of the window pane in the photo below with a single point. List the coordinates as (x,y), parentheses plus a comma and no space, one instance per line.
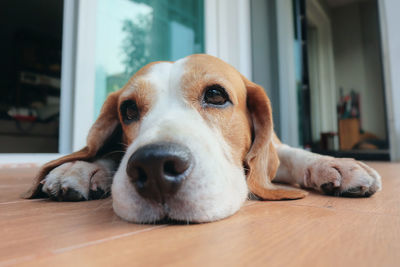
(132,33)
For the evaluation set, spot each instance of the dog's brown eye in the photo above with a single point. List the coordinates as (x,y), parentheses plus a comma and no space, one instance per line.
(129,111)
(216,95)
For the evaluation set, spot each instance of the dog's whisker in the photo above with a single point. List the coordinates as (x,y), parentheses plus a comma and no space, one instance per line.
(102,204)
(113,152)
(123,144)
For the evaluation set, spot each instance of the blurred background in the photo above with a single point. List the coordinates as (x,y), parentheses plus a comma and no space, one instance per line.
(328,66)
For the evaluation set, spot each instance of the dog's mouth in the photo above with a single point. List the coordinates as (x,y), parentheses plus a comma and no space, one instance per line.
(166,219)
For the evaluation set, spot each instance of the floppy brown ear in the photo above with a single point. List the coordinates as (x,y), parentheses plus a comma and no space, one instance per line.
(103,137)
(262,160)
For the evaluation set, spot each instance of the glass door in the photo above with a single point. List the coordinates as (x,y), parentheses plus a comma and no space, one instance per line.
(132,33)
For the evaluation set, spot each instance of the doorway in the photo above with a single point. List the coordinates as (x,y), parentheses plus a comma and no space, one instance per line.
(30,75)
(344,64)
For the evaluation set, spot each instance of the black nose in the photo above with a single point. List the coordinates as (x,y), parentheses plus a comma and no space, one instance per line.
(158,170)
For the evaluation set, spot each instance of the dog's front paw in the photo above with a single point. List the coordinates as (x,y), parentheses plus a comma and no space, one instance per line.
(342,177)
(79,180)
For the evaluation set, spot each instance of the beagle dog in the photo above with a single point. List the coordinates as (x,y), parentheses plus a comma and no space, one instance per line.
(188,141)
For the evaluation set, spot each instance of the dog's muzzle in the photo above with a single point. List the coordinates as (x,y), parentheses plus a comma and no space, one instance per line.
(158,170)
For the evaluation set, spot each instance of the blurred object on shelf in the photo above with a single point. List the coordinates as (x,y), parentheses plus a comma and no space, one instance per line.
(349,111)
(329,141)
(32,78)
(22,114)
(349,105)
(370,141)
(349,133)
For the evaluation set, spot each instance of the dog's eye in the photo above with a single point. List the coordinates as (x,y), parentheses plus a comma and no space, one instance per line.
(129,111)
(216,95)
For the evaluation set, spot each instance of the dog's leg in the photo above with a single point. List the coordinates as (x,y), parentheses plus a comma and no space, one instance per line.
(80,180)
(332,176)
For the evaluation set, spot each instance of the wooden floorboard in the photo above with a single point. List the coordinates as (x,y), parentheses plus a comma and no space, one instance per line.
(315,231)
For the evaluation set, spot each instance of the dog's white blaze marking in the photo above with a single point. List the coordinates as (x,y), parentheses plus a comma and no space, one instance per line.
(159,76)
(165,78)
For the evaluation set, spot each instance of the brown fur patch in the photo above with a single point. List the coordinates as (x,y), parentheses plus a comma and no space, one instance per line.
(262,159)
(142,92)
(232,121)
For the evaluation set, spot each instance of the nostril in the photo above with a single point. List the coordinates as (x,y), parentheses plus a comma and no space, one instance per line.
(170,169)
(175,167)
(138,176)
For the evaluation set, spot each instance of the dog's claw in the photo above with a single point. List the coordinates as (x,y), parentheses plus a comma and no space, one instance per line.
(330,189)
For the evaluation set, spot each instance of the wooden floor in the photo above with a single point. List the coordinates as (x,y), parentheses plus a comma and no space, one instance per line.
(315,231)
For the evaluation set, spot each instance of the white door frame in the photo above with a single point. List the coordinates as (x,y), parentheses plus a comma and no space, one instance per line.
(287,79)
(390,39)
(228,32)
(325,97)
(85,73)
(67,76)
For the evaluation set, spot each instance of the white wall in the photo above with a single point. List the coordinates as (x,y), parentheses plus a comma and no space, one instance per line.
(264,53)
(390,21)
(321,69)
(227,32)
(358,62)
(289,119)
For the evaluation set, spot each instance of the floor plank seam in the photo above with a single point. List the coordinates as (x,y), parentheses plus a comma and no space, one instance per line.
(74,247)
(21,201)
(14,186)
(16,261)
(342,209)
(99,241)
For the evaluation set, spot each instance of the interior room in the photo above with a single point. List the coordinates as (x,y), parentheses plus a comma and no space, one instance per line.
(347,95)
(30,72)
(192,163)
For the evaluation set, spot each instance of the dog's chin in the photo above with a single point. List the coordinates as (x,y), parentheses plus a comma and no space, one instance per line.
(172,212)
(188,206)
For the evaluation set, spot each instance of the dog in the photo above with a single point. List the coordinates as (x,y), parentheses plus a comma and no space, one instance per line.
(190,140)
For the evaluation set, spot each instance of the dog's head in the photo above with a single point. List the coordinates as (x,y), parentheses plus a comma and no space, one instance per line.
(198,139)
